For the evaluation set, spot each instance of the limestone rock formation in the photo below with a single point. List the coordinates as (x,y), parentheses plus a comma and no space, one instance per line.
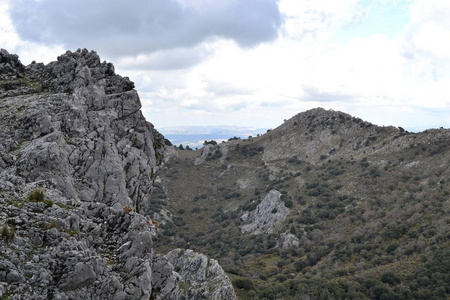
(85,250)
(206,150)
(77,166)
(267,215)
(190,275)
(287,240)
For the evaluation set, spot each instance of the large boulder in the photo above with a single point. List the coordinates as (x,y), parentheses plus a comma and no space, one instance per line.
(267,216)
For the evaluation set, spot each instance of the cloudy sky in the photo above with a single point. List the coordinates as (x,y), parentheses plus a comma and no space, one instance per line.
(254,62)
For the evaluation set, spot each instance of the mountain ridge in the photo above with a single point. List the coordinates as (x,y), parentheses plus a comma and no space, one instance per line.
(361,211)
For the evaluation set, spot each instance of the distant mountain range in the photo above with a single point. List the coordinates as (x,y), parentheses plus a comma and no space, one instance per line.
(194,136)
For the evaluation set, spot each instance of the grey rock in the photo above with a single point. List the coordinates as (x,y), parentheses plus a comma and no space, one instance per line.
(205,151)
(14,277)
(35,238)
(88,125)
(73,128)
(270,213)
(287,240)
(82,275)
(194,276)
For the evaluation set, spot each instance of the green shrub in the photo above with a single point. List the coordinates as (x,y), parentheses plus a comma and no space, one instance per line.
(195,210)
(300,264)
(243,283)
(169,232)
(37,195)
(233,271)
(391,248)
(49,203)
(390,278)
(288,203)
(8,233)
(179,221)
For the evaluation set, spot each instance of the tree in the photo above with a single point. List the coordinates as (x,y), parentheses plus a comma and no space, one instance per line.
(390,277)
(244,283)
(181,147)
(211,142)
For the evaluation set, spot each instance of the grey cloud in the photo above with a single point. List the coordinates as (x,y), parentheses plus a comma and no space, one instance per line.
(276,103)
(134,27)
(171,59)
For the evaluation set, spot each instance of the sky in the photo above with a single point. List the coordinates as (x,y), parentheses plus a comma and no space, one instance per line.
(254,63)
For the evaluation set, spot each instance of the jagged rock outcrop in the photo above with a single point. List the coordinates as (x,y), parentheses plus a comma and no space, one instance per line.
(76,126)
(206,150)
(77,166)
(71,250)
(287,240)
(267,215)
(190,275)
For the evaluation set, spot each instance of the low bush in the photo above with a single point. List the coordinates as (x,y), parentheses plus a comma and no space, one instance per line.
(37,195)
(243,283)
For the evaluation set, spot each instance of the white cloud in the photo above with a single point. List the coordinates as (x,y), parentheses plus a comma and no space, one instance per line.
(429,31)
(212,73)
(433,38)
(317,17)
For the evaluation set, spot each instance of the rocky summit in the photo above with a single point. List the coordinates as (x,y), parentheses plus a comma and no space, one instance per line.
(78,166)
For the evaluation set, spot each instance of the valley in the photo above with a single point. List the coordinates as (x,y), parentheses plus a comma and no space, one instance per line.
(367,206)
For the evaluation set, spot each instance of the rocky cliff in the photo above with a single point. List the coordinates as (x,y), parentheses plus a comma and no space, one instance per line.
(77,165)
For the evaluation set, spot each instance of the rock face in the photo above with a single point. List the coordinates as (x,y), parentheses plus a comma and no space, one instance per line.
(205,151)
(77,165)
(190,275)
(287,240)
(76,126)
(267,215)
(85,250)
